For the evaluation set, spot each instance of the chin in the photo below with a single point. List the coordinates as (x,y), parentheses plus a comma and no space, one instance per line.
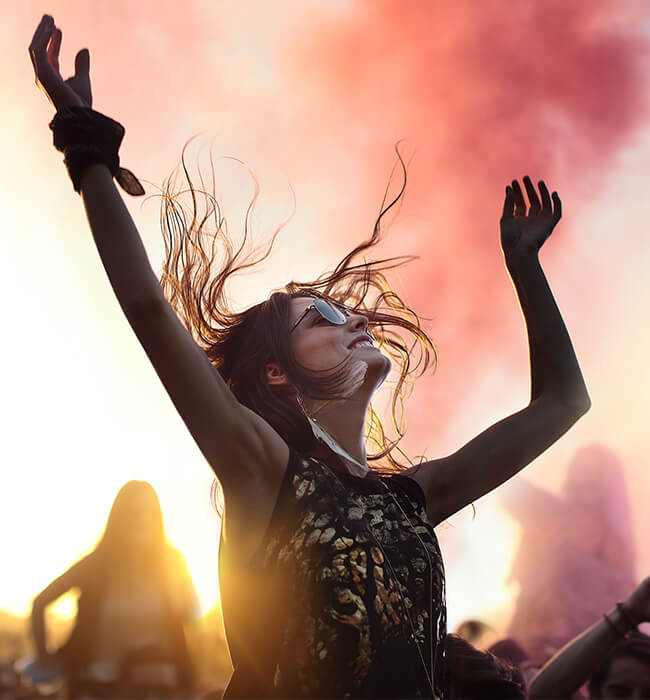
(379,368)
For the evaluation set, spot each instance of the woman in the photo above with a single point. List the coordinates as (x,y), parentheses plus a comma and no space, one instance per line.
(135,597)
(332,580)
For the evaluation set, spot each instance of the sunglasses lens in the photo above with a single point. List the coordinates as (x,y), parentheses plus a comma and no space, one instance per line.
(329,312)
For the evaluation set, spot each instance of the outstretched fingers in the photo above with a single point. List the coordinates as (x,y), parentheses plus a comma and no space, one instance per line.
(41,36)
(38,49)
(53,48)
(557,207)
(547,207)
(82,63)
(515,204)
(520,202)
(535,204)
(508,203)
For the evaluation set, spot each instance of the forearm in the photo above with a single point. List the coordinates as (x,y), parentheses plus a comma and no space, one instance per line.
(576,662)
(118,241)
(553,364)
(38,629)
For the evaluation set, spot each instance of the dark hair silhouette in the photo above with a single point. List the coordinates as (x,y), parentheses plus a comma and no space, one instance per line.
(509,650)
(241,344)
(636,646)
(476,675)
(117,538)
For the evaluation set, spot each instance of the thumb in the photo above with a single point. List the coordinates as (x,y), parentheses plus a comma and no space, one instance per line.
(82,63)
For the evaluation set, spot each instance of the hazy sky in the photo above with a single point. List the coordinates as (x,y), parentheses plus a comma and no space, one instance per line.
(313,96)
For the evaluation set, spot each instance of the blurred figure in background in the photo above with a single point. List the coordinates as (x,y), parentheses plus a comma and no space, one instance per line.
(611,655)
(510,651)
(576,552)
(473,631)
(136,594)
(478,675)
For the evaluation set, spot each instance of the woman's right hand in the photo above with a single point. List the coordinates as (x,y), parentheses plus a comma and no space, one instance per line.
(638,604)
(44,53)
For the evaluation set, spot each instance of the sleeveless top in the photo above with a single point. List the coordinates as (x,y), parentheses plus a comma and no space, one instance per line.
(317,612)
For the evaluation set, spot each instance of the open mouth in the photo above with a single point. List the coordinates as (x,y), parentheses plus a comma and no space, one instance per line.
(362,343)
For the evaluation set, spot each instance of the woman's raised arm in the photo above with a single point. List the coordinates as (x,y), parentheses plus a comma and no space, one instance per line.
(237,443)
(558,393)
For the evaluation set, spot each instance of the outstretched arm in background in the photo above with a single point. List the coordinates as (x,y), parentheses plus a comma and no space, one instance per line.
(72,578)
(577,661)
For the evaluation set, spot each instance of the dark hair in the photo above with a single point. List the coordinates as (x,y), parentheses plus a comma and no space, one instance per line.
(509,650)
(477,675)
(241,344)
(116,538)
(636,646)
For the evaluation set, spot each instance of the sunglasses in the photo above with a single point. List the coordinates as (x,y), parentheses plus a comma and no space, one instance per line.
(335,314)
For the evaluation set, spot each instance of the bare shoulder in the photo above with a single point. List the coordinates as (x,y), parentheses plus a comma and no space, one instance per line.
(430,476)
(249,501)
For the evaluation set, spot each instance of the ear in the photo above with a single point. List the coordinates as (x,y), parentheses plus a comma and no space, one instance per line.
(275,376)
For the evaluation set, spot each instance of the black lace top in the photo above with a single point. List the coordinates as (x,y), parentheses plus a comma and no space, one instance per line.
(319,612)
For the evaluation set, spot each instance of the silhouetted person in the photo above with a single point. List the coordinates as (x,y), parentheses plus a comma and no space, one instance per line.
(331,576)
(576,552)
(135,596)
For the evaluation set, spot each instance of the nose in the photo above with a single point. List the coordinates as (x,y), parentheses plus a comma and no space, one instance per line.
(359,322)
(356,321)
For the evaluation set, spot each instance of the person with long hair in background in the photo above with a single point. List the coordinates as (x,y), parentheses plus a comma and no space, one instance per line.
(332,581)
(135,597)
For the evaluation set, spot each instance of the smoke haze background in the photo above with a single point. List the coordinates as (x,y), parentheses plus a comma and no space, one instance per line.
(314,96)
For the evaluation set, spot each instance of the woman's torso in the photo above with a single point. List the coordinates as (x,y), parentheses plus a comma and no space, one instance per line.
(132,617)
(317,610)
(125,620)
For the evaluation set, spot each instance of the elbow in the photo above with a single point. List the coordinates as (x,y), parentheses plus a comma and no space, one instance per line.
(38,605)
(581,404)
(577,404)
(573,404)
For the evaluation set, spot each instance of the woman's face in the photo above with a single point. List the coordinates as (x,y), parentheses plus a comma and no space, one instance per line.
(319,344)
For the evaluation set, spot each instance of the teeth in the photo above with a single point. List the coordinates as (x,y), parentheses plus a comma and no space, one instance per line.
(367,343)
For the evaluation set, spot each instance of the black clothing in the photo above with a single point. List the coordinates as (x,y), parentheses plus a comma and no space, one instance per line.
(318,613)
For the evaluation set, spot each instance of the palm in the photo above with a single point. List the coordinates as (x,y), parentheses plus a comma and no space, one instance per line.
(44,53)
(80,85)
(525,231)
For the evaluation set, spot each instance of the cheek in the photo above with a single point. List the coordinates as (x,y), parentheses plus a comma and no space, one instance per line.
(318,351)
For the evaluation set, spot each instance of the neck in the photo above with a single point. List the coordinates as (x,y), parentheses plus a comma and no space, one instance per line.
(344,422)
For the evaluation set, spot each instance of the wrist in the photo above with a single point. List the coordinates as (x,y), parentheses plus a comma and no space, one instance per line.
(617,625)
(86,138)
(629,614)
(520,256)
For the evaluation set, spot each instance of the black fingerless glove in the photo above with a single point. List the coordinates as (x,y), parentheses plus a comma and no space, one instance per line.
(86,137)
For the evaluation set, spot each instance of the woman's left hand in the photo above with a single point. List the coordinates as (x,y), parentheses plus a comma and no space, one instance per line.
(524,233)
